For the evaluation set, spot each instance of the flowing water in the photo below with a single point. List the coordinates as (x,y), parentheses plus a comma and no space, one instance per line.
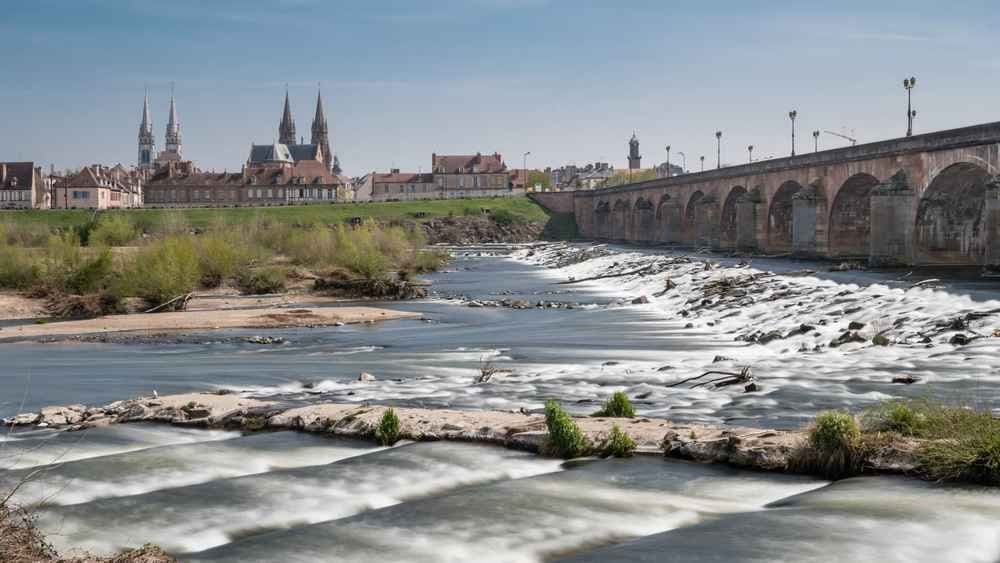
(223,496)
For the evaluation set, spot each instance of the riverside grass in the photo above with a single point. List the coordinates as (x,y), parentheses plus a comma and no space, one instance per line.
(952,443)
(252,257)
(34,225)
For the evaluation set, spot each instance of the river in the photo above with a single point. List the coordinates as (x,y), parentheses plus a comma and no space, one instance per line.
(222,496)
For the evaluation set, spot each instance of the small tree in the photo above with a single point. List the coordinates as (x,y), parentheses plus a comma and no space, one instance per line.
(565,438)
(387,431)
(617,406)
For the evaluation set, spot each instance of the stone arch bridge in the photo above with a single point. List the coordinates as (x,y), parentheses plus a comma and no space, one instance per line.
(930,199)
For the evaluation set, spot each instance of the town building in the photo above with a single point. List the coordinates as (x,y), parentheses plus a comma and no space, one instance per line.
(572,177)
(24,186)
(451,176)
(277,173)
(99,187)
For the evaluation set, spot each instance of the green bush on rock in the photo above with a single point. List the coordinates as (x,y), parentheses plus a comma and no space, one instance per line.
(565,438)
(617,444)
(387,431)
(617,406)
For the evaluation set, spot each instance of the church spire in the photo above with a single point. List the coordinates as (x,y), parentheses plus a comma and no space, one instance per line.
(321,131)
(286,131)
(146,127)
(173,127)
(147,144)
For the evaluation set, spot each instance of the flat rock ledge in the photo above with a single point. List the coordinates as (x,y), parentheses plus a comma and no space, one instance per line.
(754,448)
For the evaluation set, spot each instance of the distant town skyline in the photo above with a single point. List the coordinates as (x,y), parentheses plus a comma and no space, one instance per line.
(568,81)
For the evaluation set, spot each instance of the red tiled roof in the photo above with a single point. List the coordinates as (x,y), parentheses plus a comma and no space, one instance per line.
(457,163)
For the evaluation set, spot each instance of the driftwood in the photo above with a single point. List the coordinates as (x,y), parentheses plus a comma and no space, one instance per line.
(729,378)
(179,307)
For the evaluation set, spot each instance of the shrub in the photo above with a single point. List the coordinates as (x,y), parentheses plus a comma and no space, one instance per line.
(902,417)
(261,281)
(617,444)
(357,251)
(222,256)
(565,438)
(165,270)
(24,234)
(617,406)
(91,274)
(506,217)
(387,431)
(113,230)
(17,269)
(834,449)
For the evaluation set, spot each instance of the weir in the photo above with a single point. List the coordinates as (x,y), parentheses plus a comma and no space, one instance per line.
(930,199)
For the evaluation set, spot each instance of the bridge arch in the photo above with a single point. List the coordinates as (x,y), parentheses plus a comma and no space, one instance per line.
(602,220)
(620,219)
(780,216)
(668,219)
(952,226)
(644,220)
(691,217)
(729,220)
(850,217)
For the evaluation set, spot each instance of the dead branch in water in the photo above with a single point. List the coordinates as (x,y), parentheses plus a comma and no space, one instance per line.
(744,377)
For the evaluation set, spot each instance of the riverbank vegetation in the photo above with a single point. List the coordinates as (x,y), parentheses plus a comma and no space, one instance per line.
(22,542)
(37,224)
(946,442)
(110,263)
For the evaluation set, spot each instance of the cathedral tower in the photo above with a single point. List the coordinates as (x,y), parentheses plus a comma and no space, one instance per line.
(286,131)
(147,144)
(173,130)
(321,132)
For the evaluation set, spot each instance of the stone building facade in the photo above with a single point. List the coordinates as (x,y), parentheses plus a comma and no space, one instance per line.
(99,187)
(23,186)
(451,176)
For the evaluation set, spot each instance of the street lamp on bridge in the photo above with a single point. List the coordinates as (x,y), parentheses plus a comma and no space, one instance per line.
(668,161)
(816,141)
(702,163)
(792,115)
(718,149)
(524,166)
(909,83)
(750,151)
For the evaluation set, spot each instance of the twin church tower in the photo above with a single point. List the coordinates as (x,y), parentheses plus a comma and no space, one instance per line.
(149,160)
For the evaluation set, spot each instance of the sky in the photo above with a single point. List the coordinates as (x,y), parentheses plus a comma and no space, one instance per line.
(568,81)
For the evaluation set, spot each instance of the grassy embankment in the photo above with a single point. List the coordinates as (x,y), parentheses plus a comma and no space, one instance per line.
(153,220)
(947,442)
(109,261)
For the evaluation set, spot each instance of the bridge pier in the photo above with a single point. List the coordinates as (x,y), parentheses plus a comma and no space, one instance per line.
(893,207)
(706,232)
(750,217)
(993,222)
(809,211)
(670,220)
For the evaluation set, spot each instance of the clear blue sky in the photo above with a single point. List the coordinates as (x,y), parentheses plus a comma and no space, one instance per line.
(566,80)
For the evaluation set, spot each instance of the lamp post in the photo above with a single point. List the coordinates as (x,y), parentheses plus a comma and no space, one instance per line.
(816,141)
(703,163)
(909,83)
(668,161)
(792,115)
(718,149)
(750,151)
(524,166)
(684,162)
